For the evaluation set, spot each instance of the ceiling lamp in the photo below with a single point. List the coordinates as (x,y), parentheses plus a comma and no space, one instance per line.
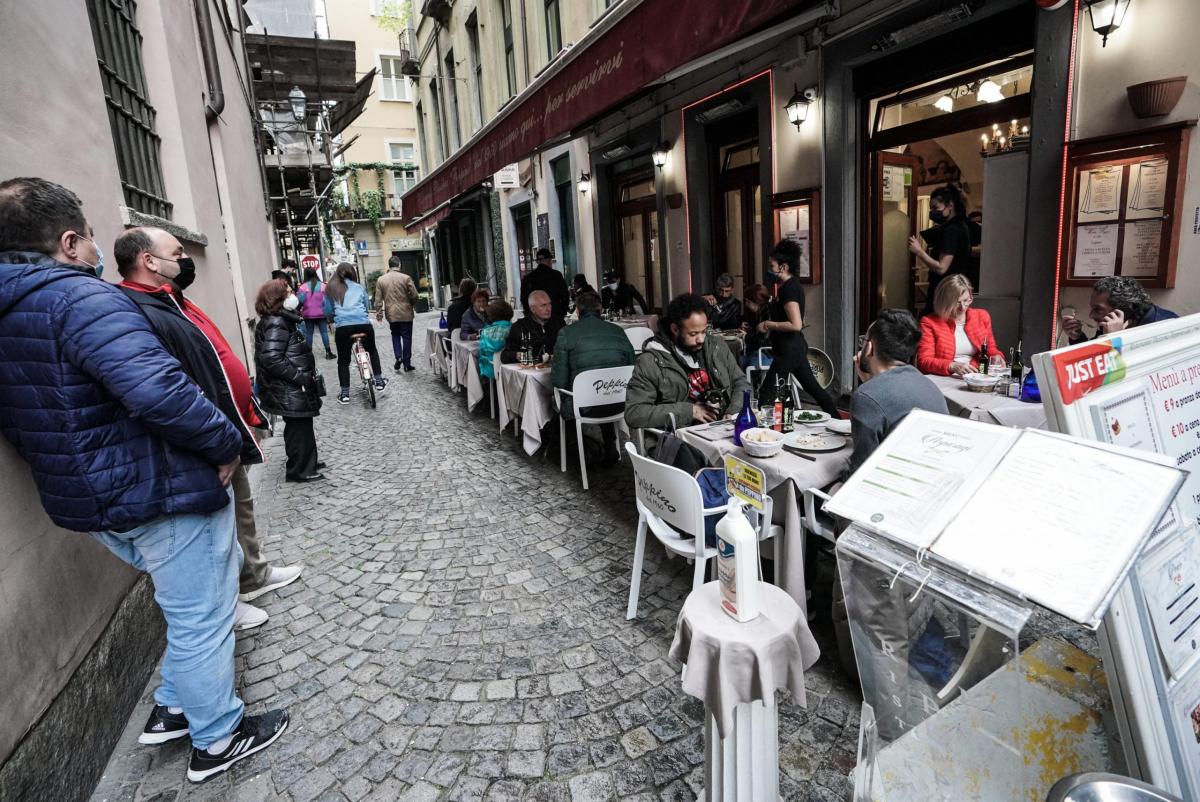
(1106,16)
(944,103)
(989,92)
(660,154)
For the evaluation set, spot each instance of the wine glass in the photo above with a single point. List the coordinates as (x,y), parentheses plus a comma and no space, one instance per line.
(998,368)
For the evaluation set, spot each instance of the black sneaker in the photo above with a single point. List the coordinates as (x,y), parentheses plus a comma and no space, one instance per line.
(409,368)
(396,367)
(163,726)
(381,384)
(253,734)
(343,397)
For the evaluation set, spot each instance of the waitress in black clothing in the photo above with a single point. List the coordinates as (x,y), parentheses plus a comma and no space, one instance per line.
(786,326)
(948,211)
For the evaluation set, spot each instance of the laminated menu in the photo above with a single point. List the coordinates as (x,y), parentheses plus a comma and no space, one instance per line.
(1052,518)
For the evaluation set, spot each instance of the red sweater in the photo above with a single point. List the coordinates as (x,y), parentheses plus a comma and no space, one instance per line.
(935,351)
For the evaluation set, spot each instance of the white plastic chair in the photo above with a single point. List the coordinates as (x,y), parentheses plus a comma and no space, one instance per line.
(757,364)
(494,386)
(638,336)
(670,506)
(592,388)
(447,346)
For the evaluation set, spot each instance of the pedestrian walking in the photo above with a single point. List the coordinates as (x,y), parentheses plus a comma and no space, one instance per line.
(395,293)
(155,270)
(311,295)
(122,445)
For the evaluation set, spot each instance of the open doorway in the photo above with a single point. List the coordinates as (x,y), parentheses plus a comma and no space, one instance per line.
(962,130)
(636,213)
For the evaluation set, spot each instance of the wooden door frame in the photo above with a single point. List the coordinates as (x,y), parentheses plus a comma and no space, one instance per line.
(746,179)
(871,271)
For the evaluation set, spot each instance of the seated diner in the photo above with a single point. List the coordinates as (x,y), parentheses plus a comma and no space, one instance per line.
(952,336)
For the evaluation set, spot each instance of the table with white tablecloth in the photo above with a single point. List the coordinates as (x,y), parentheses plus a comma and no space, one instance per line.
(526,393)
(787,477)
(433,349)
(466,371)
(635,321)
(989,407)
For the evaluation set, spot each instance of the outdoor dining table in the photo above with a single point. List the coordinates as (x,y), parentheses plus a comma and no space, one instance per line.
(526,394)
(636,321)
(989,407)
(433,349)
(787,477)
(466,371)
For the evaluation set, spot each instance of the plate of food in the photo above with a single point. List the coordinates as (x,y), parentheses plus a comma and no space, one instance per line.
(981,382)
(815,441)
(809,416)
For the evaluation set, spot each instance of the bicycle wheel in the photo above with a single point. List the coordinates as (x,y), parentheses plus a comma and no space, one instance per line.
(371,393)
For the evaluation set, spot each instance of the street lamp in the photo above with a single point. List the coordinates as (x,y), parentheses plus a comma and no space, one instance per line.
(585,181)
(1106,16)
(298,102)
(660,154)
(797,105)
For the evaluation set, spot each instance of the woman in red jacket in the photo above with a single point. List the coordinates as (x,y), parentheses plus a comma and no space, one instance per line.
(952,336)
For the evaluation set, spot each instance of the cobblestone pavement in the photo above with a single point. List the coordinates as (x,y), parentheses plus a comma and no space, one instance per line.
(459,632)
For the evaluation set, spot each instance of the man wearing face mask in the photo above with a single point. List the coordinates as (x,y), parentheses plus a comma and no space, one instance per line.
(155,271)
(683,373)
(122,445)
(621,296)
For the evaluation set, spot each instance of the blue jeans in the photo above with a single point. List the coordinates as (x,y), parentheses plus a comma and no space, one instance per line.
(402,342)
(310,324)
(193,561)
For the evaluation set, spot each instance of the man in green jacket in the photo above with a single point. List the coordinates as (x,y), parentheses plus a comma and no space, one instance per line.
(591,344)
(682,373)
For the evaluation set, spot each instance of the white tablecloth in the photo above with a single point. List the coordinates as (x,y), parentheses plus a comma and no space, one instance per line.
(466,371)
(649,321)
(989,407)
(526,393)
(787,477)
(433,339)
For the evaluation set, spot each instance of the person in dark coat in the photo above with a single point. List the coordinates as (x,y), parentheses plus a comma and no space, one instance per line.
(618,295)
(123,445)
(459,304)
(545,278)
(287,377)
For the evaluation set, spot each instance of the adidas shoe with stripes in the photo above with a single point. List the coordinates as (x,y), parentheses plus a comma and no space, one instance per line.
(253,734)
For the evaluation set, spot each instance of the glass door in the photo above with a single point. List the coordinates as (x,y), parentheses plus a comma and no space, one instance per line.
(637,232)
(739,206)
(892,275)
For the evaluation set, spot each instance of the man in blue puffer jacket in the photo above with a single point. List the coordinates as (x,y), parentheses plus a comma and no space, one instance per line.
(124,446)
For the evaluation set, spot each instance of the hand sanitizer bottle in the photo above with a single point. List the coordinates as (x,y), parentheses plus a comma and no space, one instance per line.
(737,563)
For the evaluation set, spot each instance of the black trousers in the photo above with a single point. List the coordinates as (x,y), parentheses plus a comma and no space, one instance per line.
(301,446)
(792,359)
(343,337)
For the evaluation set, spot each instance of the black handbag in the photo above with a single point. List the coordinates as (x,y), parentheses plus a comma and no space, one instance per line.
(672,450)
(319,385)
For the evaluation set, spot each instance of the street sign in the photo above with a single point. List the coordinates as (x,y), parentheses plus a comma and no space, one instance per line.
(310,261)
(360,245)
(507,177)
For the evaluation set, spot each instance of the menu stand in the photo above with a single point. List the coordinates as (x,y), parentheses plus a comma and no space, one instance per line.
(735,669)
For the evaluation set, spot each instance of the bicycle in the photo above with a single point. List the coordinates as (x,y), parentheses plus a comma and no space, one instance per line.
(363,360)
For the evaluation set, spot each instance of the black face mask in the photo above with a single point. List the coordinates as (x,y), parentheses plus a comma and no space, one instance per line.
(937,216)
(187,272)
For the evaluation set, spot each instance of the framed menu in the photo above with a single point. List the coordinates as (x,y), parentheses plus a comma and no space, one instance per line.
(1125,201)
(798,217)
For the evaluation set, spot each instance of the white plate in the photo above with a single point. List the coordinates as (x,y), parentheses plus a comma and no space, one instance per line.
(815,441)
(813,417)
(839,426)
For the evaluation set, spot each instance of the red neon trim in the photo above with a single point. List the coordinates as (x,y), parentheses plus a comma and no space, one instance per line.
(1062,186)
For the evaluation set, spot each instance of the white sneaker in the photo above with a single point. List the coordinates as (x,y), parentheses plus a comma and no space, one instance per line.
(276,579)
(247,616)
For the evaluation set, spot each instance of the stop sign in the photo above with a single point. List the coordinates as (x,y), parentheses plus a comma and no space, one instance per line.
(310,261)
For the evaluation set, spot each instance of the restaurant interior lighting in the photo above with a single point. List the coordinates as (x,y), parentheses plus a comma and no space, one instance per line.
(1106,16)
(660,154)
(797,105)
(944,103)
(299,103)
(585,181)
(989,92)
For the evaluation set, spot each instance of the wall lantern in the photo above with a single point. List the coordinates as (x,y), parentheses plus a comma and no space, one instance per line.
(660,154)
(944,103)
(298,102)
(1106,16)
(585,181)
(989,92)
(797,105)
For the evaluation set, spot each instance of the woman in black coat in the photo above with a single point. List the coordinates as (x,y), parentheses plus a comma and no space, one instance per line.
(287,377)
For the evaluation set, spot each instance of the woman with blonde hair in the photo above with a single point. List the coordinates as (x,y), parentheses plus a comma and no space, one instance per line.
(953,336)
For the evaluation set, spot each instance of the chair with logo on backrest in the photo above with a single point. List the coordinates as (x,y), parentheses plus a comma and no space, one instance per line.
(592,388)
(638,336)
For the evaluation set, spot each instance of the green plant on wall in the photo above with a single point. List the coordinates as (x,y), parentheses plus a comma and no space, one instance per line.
(393,15)
(372,277)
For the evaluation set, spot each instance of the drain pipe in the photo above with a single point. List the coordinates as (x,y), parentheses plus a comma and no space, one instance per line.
(212,66)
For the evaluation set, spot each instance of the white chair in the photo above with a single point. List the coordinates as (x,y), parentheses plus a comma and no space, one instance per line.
(638,336)
(757,364)
(447,345)
(670,506)
(494,386)
(592,388)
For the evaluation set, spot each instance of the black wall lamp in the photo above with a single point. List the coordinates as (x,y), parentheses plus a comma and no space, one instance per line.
(585,181)
(1106,16)
(797,105)
(661,151)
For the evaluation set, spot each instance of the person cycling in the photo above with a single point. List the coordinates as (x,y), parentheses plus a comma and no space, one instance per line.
(347,303)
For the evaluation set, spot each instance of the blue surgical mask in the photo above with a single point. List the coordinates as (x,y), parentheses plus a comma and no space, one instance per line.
(98,268)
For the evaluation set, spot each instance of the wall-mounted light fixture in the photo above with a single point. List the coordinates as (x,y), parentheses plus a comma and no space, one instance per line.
(989,92)
(585,181)
(797,105)
(944,103)
(661,151)
(299,103)
(1106,16)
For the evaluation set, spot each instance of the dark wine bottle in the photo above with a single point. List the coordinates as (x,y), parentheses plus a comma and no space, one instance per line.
(983,358)
(780,392)
(1016,364)
(789,410)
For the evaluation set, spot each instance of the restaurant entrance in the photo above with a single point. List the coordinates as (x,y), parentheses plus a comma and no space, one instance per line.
(523,228)
(738,204)
(637,227)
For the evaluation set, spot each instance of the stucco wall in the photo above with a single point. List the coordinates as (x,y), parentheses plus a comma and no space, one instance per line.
(1156,41)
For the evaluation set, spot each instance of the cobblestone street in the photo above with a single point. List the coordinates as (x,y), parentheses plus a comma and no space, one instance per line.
(459,632)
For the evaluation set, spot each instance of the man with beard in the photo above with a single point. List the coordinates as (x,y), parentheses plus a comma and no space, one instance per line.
(682,373)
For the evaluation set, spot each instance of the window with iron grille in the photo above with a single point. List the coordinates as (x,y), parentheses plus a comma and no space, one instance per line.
(119,51)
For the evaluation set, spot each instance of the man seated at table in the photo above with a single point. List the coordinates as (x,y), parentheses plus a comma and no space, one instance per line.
(891,387)
(459,304)
(537,331)
(1117,303)
(680,372)
(724,310)
(618,295)
(591,344)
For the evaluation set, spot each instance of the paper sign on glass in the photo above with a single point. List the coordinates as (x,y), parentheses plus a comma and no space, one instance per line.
(1147,189)
(1096,250)
(1099,194)
(1139,251)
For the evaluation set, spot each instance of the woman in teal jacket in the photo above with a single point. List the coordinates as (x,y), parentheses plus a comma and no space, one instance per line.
(494,335)
(346,302)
